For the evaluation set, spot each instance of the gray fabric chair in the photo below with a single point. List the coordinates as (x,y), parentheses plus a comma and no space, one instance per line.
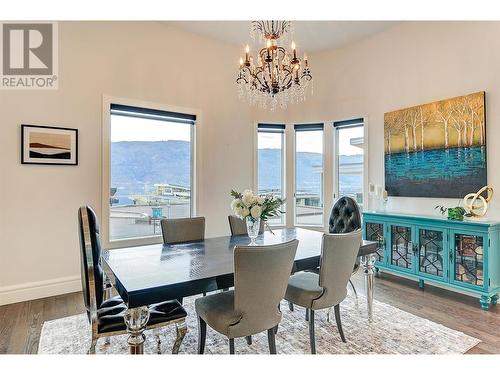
(190,229)
(260,280)
(183,230)
(239,227)
(344,218)
(328,288)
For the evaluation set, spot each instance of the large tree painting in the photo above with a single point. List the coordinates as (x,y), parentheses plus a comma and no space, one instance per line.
(436,149)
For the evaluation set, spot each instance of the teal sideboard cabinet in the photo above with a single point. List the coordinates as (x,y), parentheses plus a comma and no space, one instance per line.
(461,255)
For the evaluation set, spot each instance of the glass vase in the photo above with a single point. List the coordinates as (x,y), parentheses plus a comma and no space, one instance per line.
(253,226)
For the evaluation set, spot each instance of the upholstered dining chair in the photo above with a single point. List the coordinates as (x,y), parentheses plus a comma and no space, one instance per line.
(253,305)
(239,227)
(328,288)
(106,315)
(188,229)
(183,230)
(344,218)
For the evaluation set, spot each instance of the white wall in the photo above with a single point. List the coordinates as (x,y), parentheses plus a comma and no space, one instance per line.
(409,64)
(150,61)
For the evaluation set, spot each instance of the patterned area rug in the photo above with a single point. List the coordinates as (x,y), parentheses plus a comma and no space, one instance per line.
(393,331)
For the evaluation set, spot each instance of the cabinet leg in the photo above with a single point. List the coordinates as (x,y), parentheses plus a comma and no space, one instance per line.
(494,299)
(485,302)
(421,283)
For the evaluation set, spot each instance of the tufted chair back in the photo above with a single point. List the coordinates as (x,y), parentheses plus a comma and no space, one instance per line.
(345,216)
(90,256)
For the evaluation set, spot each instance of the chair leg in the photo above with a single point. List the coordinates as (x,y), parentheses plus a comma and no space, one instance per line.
(290,306)
(204,294)
(231,346)
(181,329)
(276,327)
(311,331)
(202,335)
(354,290)
(328,314)
(249,340)
(339,323)
(307,315)
(156,333)
(107,295)
(271,340)
(92,346)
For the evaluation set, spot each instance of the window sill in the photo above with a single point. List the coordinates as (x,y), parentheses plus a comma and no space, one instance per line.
(318,228)
(135,241)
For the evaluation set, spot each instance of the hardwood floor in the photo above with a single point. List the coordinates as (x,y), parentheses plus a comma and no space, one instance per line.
(21,323)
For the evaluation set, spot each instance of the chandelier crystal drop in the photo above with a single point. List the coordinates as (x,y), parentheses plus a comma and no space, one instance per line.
(276,76)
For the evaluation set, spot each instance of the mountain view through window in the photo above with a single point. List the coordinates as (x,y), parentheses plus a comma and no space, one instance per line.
(150,174)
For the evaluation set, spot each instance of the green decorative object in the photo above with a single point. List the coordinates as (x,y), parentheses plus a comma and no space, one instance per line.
(453,213)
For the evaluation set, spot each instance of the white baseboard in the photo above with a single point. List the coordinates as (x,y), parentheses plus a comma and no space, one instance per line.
(39,289)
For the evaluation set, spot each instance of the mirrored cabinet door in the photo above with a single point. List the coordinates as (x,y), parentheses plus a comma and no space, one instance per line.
(401,247)
(468,259)
(375,232)
(431,247)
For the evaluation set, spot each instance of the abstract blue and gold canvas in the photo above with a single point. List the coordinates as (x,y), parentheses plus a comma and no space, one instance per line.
(437,149)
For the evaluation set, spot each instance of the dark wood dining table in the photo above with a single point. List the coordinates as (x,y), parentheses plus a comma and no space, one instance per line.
(145,275)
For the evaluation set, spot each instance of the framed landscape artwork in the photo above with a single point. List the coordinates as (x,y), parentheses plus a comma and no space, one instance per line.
(436,149)
(49,145)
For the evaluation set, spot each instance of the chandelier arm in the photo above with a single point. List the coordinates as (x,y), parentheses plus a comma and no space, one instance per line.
(241,80)
(265,84)
(257,26)
(289,71)
(307,76)
(288,81)
(288,85)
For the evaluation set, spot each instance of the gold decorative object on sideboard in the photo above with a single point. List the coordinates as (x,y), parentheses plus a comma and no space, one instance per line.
(476,208)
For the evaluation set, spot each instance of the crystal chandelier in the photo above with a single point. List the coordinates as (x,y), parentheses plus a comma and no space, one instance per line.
(277,77)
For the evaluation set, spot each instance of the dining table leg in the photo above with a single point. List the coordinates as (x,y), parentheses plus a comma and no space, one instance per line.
(367,262)
(136,320)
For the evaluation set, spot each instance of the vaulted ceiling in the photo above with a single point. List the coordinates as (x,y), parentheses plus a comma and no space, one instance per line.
(310,36)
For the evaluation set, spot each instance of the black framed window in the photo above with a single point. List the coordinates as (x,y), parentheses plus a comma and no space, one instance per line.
(349,159)
(271,163)
(151,169)
(309,174)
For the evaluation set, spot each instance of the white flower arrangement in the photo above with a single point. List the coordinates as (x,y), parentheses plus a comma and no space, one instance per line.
(248,204)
